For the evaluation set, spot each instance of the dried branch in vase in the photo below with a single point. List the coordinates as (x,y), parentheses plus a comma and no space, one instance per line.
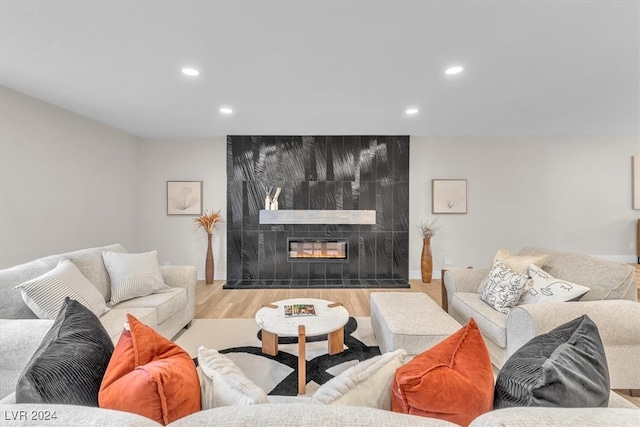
(428,229)
(208,221)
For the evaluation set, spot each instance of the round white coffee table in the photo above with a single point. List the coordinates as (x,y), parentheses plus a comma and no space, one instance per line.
(329,319)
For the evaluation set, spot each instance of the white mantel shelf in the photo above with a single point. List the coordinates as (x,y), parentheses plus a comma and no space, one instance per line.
(294,216)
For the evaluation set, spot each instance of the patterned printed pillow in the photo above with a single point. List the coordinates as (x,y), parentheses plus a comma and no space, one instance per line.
(546,288)
(503,288)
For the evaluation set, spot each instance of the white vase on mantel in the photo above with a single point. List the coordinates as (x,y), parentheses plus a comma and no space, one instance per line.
(267,202)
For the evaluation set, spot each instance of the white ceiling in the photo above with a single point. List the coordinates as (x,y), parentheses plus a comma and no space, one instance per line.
(331,67)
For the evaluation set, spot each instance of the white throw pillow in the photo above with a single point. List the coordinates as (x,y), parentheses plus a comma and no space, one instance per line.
(222,383)
(503,288)
(133,275)
(45,294)
(546,288)
(366,384)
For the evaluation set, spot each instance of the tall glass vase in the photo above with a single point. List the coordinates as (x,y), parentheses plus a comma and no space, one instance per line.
(208,270)
(426,263)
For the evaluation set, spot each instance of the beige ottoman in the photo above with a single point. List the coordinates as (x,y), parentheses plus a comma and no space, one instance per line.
(409,320)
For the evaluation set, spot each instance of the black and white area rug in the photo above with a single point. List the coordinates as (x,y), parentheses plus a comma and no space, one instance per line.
(239,339)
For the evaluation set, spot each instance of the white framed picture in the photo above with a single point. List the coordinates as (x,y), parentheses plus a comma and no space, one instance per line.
(184,197)
(449,196)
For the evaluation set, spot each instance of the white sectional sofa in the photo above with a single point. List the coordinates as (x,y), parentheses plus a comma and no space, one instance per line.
(611,303)
(166,312)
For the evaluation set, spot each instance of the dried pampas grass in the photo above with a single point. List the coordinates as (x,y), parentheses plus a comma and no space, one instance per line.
(208,221)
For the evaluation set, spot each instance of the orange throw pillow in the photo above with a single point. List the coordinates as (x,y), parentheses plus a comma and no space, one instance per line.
(452,381)
(150,376)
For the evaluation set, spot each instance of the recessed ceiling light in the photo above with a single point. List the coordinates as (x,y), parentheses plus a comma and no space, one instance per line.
(453,70)
(226,110)
(411,111)
(190,72)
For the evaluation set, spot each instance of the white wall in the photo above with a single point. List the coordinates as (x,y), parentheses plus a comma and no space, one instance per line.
(187,159)
(66,182)
(570,193)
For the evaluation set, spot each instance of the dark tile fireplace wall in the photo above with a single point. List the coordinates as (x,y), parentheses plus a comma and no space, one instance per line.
(318,172)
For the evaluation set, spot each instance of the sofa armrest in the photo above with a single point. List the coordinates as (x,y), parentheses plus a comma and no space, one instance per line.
(460,279)
(618,321)
(19,339)
(179,276)
(182,276)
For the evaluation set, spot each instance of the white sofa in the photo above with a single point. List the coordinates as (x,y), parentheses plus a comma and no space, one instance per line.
(309,414)
(21,331)
(611,303)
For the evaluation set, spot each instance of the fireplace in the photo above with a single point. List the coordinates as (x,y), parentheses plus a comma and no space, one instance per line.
(317,249)
(332,186)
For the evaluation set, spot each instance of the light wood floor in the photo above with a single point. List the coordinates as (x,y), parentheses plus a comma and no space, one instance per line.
(213,302)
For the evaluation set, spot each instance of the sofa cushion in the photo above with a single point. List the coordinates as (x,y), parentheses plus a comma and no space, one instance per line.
(68,366)
(546,288)
(222,383)
(150,376)
(518,263)
(45,294)
(452,381)
(605,279)
(366,384)
(88,261)
(165,303)
(565,367)
(503,288)
(492,323)
(133,275)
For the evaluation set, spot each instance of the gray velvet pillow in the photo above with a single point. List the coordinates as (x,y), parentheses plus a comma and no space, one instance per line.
(565,367)
(69,365)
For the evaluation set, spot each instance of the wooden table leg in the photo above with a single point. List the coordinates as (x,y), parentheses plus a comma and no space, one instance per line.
(302,360)
(336,341)
(269,343)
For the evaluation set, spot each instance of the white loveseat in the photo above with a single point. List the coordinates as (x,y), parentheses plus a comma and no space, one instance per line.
(21,331)
(611,303)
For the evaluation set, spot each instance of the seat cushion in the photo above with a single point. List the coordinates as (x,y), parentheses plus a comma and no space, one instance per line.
(492,323)
(565,367)
(115,319)
(166,304)
(69,365)
(150,376)
(452,381)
